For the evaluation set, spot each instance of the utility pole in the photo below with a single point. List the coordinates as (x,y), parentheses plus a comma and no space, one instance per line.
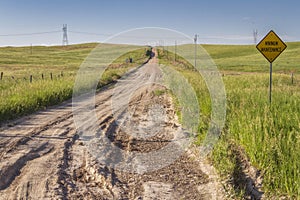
(65,35)
(195,40)
(175,49)
(255,34)
(167,52)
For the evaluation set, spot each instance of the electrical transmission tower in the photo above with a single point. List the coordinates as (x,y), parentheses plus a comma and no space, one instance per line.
(65,35)
(255,34)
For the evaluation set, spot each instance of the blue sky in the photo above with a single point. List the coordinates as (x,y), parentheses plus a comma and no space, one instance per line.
(215,21)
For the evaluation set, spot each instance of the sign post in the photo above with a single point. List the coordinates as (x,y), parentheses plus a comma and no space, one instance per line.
(270,92)
(271,46)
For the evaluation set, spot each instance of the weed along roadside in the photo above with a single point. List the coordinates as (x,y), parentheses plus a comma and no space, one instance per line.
(256,153)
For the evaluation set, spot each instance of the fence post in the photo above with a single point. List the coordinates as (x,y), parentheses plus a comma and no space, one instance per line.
(51,76)
(1,76)
(292,76)
(30,78)
(43,76)
(61,74)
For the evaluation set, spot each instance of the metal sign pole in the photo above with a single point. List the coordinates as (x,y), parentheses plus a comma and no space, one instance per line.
(195,54)
(195,40)
(270,93)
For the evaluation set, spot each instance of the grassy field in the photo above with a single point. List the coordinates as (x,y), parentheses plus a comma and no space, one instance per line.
(246,58)
(269,136)
(19,96)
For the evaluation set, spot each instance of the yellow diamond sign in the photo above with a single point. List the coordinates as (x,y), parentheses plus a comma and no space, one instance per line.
(271,46)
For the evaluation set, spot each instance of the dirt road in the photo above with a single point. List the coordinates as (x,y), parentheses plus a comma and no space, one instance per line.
(42,156)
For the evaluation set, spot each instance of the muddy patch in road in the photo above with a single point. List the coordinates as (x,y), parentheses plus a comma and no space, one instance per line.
(179,180)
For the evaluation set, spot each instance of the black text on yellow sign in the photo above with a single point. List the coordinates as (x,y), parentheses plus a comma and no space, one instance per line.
(271,46)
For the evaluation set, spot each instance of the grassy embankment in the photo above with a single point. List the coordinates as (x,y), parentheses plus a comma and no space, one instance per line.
(268,135)
(19,96)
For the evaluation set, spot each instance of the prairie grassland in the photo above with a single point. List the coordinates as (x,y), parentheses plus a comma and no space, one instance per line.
(19,96)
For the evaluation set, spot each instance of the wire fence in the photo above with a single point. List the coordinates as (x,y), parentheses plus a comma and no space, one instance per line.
(33,77)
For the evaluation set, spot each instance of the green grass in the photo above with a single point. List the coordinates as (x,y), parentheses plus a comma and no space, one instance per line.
(159,92)
(19,97)
(269,135)
(23,97)
(19,60)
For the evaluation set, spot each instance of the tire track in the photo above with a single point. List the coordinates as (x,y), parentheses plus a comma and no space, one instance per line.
(8,174)
(48,143)
(9,145)
(35,132)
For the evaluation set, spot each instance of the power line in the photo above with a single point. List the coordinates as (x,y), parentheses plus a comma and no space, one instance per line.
(65,35)
(83,33)
(26,34)
(106,34)
(124,36)
(87,33)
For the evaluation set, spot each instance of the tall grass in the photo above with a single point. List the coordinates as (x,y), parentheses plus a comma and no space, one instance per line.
(23,97)
(269,134)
